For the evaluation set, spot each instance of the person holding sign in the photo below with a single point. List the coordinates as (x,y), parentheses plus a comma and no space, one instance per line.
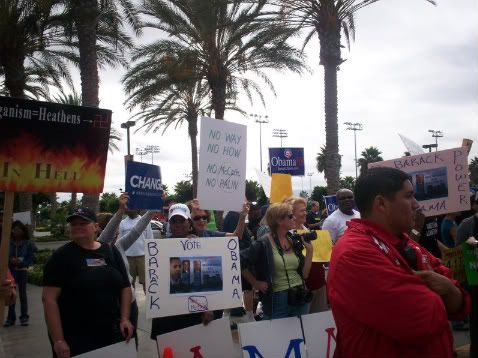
(280,267)
(180,225)
(86,294)
(389,296)
(336,223)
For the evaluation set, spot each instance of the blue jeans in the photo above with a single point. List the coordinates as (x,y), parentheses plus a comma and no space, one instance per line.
(21,281)
(280,307)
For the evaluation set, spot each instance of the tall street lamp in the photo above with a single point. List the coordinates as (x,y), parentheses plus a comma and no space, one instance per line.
(141,152)
(354,127)
(258,119)
(127,125)
(279,133)
(436,135)
(310,182)
(151,149)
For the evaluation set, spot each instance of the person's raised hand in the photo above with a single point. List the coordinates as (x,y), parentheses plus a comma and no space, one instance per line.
(245,209)
(308,246)
(261,286)
(123,201)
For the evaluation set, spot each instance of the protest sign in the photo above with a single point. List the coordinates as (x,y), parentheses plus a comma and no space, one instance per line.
(49,147)
(320,334)
(213,340)
(222,165)
(470,257)
(322,246)
(264,181)
(272,338)
(143,184)
(330,203)
(281,187)
(287,161)
(118,350)
(453,259)
(412,147)
(440,179)
(192,275)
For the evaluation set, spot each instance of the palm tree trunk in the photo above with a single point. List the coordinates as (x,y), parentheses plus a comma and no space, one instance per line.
(86,22)
(54,204)
(193,132)
(73,201)
(332,158)
(218,94)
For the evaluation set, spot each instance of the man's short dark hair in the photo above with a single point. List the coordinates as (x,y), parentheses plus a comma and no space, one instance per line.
(377,181)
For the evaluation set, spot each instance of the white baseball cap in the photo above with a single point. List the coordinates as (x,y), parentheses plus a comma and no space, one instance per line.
(179,209)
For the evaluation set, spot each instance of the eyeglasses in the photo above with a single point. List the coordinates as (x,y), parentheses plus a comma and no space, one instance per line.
(199,217)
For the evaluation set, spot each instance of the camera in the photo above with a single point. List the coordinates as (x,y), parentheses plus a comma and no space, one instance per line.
(307,236)
(298,296)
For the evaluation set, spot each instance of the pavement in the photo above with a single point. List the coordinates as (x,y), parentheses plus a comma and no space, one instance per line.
(32,341)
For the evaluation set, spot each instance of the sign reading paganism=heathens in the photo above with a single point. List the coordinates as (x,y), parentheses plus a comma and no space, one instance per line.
(48,147)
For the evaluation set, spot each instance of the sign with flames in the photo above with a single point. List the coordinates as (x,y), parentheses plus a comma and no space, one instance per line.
(48,147)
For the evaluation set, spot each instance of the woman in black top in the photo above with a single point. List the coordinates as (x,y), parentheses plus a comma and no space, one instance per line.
(86,293)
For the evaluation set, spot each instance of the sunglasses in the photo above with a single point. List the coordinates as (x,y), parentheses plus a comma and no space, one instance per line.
(199,217)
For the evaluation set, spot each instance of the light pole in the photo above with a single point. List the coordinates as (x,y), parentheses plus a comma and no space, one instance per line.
(141,152)
(355,127)
(436,135)
(279,133)
(151,149)
(127,125)
(310,182)
(261,121)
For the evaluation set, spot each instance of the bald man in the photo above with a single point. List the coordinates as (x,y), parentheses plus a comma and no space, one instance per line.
(336,223)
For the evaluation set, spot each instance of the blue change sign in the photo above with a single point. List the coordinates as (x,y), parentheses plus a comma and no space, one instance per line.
(287,160)
(144,186)
(330,203)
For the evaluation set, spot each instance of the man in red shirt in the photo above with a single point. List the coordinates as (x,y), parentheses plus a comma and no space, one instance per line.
(390,297)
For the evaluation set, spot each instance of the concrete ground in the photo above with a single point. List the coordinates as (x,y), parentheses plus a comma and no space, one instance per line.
(32,341)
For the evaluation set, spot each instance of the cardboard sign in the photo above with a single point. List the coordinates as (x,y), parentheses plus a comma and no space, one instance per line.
(213,340)
(287,161)
(222,165)
(281,187)
(453,259)
(320,334)
(143,184)
(470,256)
(192,275)
(272,338)
(48,147)
(118,350)
(330,203)
(440,179)
(322,246)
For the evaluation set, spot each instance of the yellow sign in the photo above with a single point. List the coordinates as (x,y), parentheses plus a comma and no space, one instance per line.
(322,246)
(453,259)
(281,187)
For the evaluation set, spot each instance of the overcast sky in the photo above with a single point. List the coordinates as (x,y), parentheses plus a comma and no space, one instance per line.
(412,67)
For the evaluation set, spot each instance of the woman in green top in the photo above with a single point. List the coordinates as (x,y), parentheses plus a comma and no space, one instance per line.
(279,265)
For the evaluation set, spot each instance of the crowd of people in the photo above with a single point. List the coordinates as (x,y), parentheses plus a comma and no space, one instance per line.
(389,292)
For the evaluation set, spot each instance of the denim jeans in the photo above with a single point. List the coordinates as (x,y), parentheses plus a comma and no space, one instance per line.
(280,308)
(21,281)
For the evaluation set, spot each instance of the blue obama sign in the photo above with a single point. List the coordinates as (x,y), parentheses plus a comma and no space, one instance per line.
(330,203)
(144,187)
(287,160)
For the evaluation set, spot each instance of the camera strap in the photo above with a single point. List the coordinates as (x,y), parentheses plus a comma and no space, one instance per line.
(281,253)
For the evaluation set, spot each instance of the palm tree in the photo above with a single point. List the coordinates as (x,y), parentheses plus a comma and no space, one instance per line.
(473,166)
(228,39)
(329,19)
(369,155)
(321,160)
(99,30)
(32,54)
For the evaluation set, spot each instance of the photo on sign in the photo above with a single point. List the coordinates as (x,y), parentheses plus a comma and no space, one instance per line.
(430,184)
(193,274)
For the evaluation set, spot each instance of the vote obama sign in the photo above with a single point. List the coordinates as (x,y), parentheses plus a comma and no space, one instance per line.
(440,179)
(192,275)
(143,184)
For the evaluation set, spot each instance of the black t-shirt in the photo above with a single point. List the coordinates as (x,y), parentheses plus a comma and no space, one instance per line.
(312,218)
(91,282)
(430,235)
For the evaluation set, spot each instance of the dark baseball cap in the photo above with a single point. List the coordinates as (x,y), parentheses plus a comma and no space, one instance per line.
(84,213)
